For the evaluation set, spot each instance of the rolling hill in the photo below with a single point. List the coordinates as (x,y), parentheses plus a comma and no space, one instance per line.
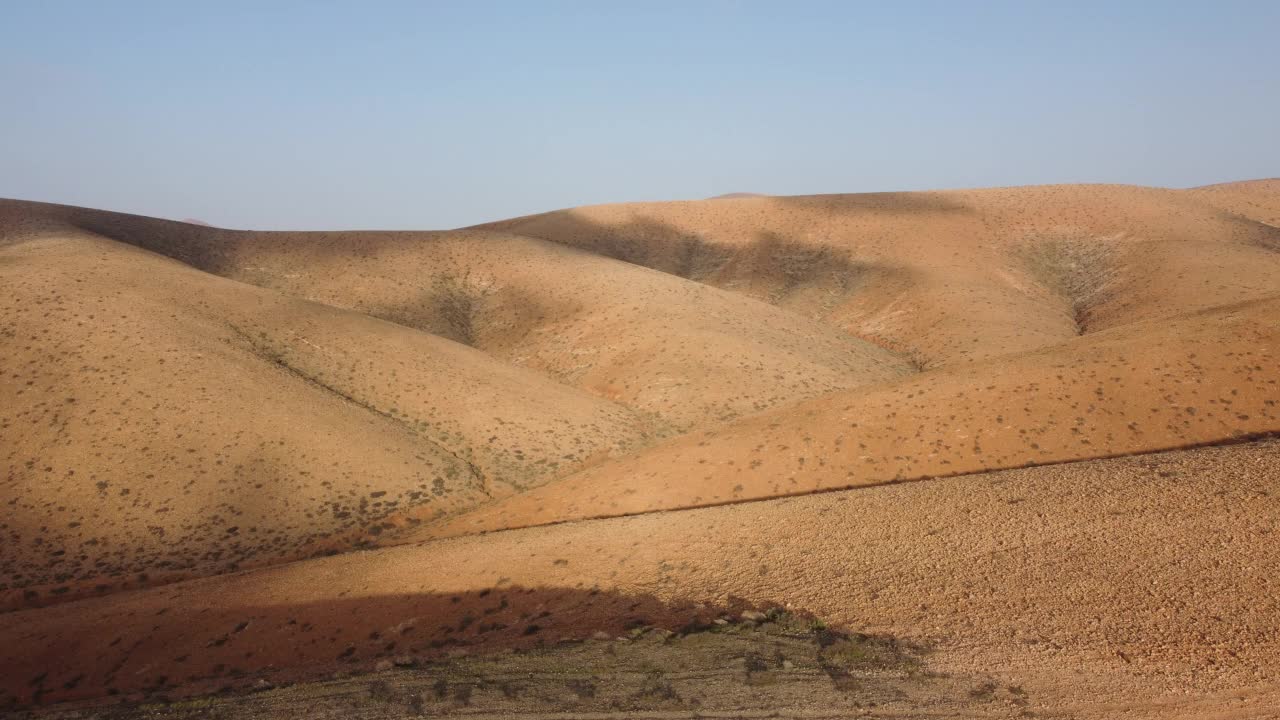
(1024,431)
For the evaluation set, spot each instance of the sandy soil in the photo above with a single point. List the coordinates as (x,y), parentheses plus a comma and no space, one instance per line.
(232,456)
(1092,585)
(166,420)
(1148,386)
(954,276)
(1257,200)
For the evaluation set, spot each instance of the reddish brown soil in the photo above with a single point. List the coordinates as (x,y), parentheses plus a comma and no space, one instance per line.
(1092,585)
(190,415)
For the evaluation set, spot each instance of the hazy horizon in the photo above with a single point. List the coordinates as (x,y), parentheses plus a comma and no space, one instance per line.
(437,116)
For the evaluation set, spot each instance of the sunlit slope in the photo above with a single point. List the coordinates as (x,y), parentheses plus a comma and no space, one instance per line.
(677,351)
(1203,378)
(997,373)
(160,420)
(949,276)
(1257,200)
(683,352)
(1087,586)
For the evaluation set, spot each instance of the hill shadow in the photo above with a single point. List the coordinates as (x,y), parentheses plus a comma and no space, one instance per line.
(189,639)
(768,265)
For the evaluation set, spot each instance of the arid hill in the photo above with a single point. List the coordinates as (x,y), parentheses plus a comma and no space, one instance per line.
(166,420)
(1257,200)
(1201,380)
(1087,587)
(1036,418)
(952,276)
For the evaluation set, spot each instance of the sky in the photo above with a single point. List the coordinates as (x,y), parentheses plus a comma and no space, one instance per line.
(421,115)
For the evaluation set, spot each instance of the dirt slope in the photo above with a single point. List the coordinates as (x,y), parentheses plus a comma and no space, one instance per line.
(160,420)
(1257,200)
(190,417)
(682,352)
(949,276)
(1148,386)
(1137,585)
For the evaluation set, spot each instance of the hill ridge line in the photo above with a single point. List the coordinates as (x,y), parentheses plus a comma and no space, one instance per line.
(1224,442)
(276,359)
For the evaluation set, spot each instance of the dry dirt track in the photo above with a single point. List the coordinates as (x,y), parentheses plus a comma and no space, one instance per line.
(190,416)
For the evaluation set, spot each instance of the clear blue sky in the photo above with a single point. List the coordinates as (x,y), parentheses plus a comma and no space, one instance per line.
(430,115)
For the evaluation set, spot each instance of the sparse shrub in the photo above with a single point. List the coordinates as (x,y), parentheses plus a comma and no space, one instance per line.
(1079,270)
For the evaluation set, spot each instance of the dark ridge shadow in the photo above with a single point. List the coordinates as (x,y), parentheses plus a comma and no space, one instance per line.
(211,249)
(780,267)
(768,266)
(201,246)
(452,305)
(831,203)
(1245,229)
(776,264)
(208,249)
(466,308)
(217,546)
(878,202)
(813,280)
(182,641)
(1253,232)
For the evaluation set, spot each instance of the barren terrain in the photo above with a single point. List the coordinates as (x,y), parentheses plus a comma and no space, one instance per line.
(1012,447)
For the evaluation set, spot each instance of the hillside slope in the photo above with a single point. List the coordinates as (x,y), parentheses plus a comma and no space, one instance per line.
(1022,440)
(949,276)
(161,420)
(1141,587)
(1204,378)
(681,352)
(1257,200)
